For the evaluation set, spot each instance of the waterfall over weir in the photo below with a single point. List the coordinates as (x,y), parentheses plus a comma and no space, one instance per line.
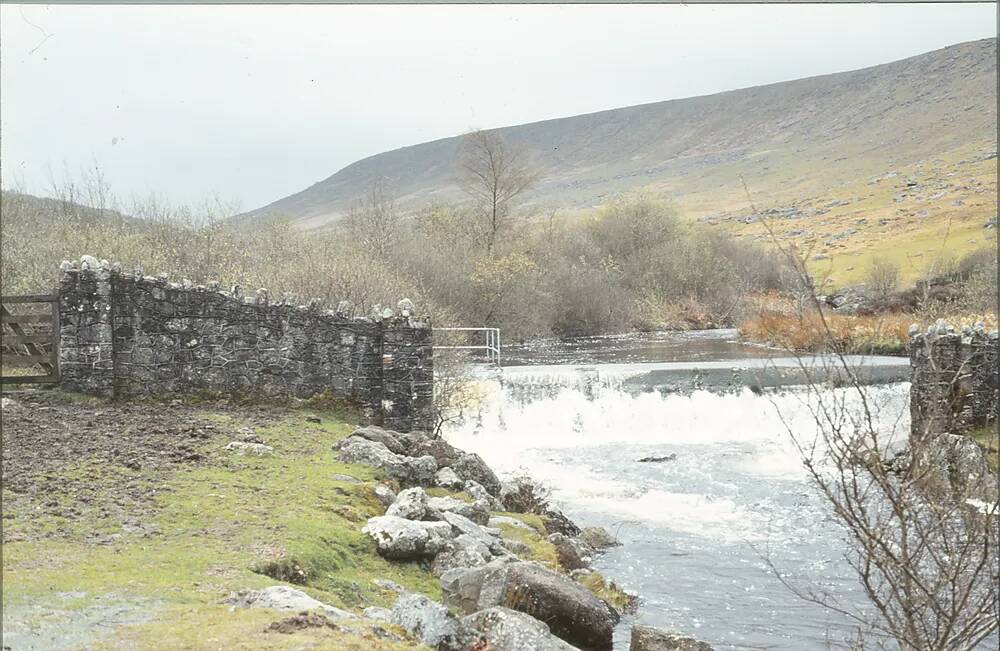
(698,530)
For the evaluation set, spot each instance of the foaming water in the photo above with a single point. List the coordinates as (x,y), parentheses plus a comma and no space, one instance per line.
(696,529)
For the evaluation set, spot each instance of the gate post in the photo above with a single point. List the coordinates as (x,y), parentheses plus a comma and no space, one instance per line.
(86,353)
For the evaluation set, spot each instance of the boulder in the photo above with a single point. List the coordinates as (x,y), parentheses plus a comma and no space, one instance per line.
(556,522)
(385,495)
(647,638)
(658,458)
(463,551)
(478,511)
(409,471)
(476,490)
(471,467)
(460,587)
(379,435)
(522,495)
(401,539)
(411,504)
(599,538)
(510,630)
(377,613)
(462,525)
(282,597)
(252,449)
(443,453)
(446,478)
(572,553)
(570,610)
(432,623)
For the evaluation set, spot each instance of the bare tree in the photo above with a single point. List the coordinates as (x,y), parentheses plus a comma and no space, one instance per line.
(883,277)
(495,175)
(374,220)
(922,539)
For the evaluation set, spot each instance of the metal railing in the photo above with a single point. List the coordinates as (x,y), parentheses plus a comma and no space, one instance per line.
(491,346)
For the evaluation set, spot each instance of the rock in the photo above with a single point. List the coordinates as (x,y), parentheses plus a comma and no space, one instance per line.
(478,511)
(572,553)
(956,461)
(254,449)
(249,436)
(377,613)
(432,623)
(599,538)
(522,495)
(476,490)
(408,471)
(386,584)
(570,610)
(658,459)
(510,630)
(379,435)
(647,638)
(471,467)
(385,495)
(313,419)
(515,547)
(463,551)
(462,525)
(556,522)
(446,478)
(282,597)
(443,453)
(401,539)
(460,587)
(347,479)
(410,504)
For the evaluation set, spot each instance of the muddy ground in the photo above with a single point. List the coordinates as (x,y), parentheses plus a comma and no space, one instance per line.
(77,458)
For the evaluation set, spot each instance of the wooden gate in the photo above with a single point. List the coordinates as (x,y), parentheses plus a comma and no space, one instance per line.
(30,339)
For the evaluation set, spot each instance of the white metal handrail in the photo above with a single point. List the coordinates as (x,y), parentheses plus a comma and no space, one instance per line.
(492,346)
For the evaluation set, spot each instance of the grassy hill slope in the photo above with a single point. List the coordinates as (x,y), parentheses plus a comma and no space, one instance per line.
(791,140)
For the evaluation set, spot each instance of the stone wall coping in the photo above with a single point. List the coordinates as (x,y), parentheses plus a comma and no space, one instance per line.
(404,313)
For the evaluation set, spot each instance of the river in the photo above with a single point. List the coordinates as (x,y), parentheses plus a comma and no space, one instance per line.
(698,531)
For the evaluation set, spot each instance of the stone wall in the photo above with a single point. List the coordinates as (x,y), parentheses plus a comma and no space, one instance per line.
(127,335)
(954,379)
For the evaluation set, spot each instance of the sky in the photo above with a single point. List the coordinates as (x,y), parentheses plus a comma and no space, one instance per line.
(252,103)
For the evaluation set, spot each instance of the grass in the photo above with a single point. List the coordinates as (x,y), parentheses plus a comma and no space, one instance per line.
(217,524)
(231,523)
(989,438)
(777,323)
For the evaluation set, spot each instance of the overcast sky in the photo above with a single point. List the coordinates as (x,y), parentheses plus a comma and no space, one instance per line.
(257,102)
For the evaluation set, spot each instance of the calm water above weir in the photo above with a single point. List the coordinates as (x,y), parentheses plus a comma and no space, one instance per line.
(696,530)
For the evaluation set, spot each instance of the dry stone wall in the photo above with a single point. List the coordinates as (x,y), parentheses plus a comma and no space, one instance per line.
(128,335)
(954,379)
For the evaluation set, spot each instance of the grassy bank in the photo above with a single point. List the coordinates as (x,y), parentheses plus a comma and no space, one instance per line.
(150,524)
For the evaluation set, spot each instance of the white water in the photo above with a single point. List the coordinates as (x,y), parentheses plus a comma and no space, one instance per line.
(696,529)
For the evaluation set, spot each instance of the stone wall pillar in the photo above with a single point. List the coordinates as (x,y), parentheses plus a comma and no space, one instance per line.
(953,380)
(984,363)
(86,311)
(407,372)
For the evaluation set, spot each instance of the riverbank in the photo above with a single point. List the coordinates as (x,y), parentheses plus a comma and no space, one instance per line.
(165,525)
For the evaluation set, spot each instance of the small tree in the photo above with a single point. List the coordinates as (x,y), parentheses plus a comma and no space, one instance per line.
(495,176)
(924,547)
(883,277)
(374,221)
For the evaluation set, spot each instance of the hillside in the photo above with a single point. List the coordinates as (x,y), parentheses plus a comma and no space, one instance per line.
(787,138)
